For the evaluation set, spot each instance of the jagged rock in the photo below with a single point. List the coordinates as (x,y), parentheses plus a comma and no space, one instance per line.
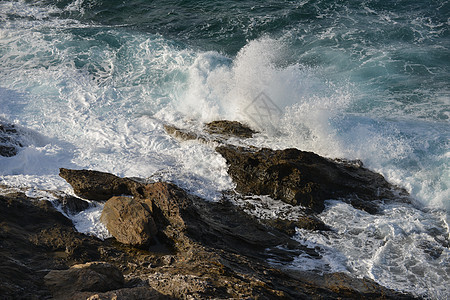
(72,205)
(88,277)
(95,185)
(129,221)
(305,178)
(230,128)
(10,140)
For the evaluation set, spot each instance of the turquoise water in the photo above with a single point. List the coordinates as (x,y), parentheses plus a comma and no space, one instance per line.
(92,83)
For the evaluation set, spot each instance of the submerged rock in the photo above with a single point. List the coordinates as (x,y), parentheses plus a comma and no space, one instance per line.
(303,178)
(229,129)
(183,134)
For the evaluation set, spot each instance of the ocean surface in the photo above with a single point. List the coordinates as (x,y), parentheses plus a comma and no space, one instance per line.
(91,83)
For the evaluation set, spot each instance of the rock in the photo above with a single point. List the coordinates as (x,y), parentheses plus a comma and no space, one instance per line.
(95,185)
(229,129)
(34,236)
(136,293)
(10,139)
(303,178)
(88,277)
(72,205)
(218,251)
(183,134)
(289,226)
(130,221)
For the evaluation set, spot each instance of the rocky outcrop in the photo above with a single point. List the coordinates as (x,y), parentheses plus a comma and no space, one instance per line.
(217,131)
(10,139)
(229,129)
(88,277)
(95,185)
(216,250)
(130,221)
(206,250)
(304,178)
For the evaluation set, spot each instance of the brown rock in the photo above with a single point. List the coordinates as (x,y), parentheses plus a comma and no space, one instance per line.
(36,237)
(229,128)
(221,252)
(305,178)
(130,221)
(90,277)
(95,185)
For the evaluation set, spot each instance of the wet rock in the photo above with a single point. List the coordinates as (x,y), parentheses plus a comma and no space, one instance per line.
(10,139)
(229,129)
(289,226)
(72,205)
(90,277)
(95,185)
(130,221)
(183,134)
(303,178)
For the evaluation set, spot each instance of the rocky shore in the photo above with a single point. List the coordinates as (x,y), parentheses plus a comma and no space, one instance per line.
(170,244)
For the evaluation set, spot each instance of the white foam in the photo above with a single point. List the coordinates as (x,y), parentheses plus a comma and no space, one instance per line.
(410,255)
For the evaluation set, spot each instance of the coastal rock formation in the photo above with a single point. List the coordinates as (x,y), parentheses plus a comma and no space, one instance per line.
(207,250)
(88,277)
(229,129)
(217,250)
(129,221)
(10,140)
(217,131)
(304,178)
(95,185)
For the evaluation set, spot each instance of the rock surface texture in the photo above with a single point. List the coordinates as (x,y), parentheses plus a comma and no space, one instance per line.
(304,178)
(229,129)
(129,221)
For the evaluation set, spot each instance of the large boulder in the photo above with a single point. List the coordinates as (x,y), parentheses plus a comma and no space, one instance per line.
(88,277)
(95,185)
(303,178)
(130,221)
